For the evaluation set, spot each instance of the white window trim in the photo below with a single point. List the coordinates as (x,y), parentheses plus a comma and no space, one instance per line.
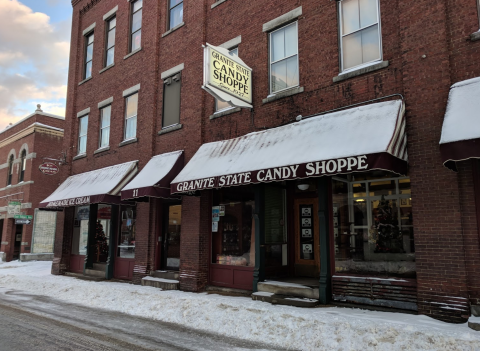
(102,128)
(270,63)
(110,13)
(79,136)
(366,64)
(127,118)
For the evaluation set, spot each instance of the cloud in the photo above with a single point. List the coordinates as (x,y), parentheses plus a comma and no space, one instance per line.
(33,61)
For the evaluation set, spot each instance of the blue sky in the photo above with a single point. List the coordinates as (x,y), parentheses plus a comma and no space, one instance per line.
(34,48)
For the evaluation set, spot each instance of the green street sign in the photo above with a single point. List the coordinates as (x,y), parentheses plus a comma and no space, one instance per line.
(22,217)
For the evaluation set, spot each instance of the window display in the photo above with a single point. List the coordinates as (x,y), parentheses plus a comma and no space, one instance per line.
(372,225)
(275,226)
(80,230)
(233,228)
(126,240)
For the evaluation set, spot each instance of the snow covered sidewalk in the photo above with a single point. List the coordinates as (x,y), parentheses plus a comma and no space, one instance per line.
(295,328)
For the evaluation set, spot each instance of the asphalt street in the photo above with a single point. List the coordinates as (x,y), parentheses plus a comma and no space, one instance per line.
(38,323)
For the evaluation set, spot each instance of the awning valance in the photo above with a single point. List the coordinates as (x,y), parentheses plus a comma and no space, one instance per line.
(357,139)
(461,126)
(154,179)
(99,186)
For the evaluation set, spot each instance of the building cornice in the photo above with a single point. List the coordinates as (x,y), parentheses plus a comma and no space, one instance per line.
(34,128)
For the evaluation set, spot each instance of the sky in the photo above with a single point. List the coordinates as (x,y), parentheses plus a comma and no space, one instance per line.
(34,50)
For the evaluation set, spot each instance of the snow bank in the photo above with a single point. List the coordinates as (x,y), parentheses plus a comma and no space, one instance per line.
(297,328)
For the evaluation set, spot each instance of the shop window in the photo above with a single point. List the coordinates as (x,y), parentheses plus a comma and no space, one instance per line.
(171,100)
(233,228)
(105,126)
(359,33)
(221,105)
(102,232)
(82,134)
(10,170)
(175,13)
(23,165)
(284,58)
(111,24)
(80,230)
(136,23)
(275,227)
(131,116)
(88,55)
(372,226)
(126,239)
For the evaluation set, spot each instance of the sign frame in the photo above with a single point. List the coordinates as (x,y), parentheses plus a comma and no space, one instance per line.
(49,168)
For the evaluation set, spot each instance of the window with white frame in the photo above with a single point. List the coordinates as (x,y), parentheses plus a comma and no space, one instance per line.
(284,58)
(23,165)
(131,116)
(88,55)
(105,114)
(175,13)
(82,134)
(359,33)
(110,42)
(221,105)
(10,170)
(136,36)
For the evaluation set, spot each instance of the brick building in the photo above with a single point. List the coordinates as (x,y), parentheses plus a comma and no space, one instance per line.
(23,148)
(334,180)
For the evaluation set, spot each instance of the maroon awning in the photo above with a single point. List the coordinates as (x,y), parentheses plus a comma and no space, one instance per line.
(98,186)
(461,126)
(358,139)
(154,179)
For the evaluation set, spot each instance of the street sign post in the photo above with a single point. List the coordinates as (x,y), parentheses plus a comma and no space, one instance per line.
(23,221)
(21,216)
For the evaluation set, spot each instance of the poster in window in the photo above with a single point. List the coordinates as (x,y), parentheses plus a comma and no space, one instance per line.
(306,212)
(306,222)
(306,233)
(307,248)
(335,222)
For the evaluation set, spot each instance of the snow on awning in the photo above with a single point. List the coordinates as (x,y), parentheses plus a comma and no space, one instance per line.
(357,139)
(99,186)
(154,179)
(461,126)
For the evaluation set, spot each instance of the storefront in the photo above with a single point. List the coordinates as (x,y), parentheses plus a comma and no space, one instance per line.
(316,200)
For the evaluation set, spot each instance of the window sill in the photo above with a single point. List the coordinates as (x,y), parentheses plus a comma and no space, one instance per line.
(225,112)
(106,68)
(217,3)
(85,80)
(103,149)
(132,53)
(170,129)
(173,29)
(475,36)
(79,157)
(360,71)
(127,142)
(282,94)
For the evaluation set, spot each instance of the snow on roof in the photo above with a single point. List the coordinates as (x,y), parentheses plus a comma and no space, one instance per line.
(154,171)
(29,116)
(462,117)
(101,181)
(362,130)
(46,126)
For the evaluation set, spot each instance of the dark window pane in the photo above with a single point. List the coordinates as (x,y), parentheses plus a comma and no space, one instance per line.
(110,54)
(111,39)
(137,5)
(171,104)
(137,21)
(176,16)
(136,40)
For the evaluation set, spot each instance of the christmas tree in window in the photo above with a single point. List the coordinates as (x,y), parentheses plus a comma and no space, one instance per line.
(388,235)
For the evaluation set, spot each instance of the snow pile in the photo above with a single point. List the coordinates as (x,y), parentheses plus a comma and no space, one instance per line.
(296,328)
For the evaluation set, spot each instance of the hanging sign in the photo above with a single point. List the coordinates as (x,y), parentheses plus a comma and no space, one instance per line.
(14,207)
(227,77)
(48,168)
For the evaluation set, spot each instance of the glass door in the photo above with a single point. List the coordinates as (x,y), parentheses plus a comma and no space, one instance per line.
(171,238)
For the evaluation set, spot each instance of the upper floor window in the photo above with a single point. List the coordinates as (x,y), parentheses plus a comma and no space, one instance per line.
(220,105)
(10,170)
(23,165)
(82,134)
(284,58)
(359,32)
(88,55)
(105,126)
(175,13)
(131,116)
(110,42)
(136,37)
(171,100)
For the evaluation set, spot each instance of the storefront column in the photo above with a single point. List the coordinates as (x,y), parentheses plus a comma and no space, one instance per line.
(259,218)
(324,242)
(62,247)
(92,226)
(112,241)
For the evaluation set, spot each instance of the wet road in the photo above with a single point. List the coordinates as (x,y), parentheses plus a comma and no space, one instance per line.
(29,322)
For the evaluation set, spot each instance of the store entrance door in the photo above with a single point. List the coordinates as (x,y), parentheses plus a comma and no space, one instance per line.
(171,237)
(18,241)
(307,251)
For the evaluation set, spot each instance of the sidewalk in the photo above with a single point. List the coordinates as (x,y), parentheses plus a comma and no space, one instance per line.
(296,328)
